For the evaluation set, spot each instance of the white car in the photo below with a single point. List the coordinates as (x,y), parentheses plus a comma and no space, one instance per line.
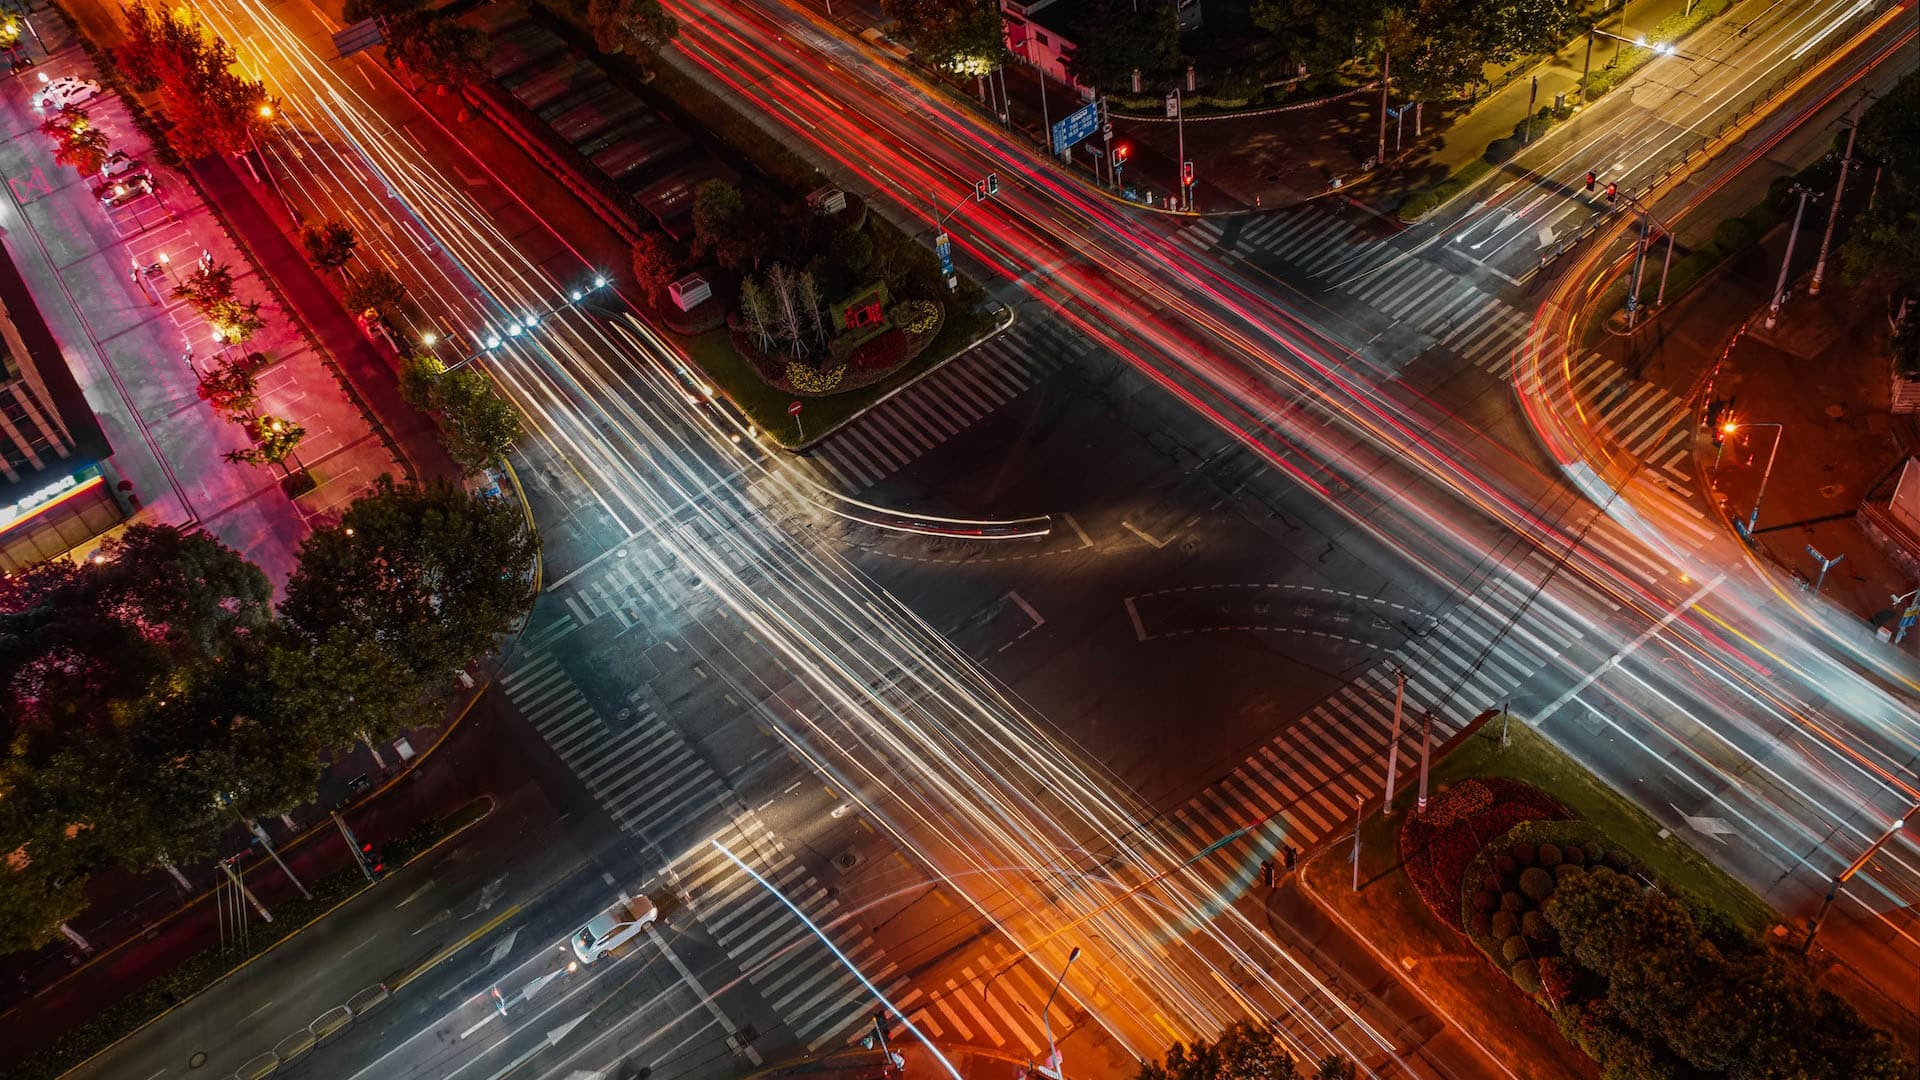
(118,163)
(613,928)
(64,91)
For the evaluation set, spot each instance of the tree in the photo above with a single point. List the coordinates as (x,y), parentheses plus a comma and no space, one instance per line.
(417,376)
(967,37)
(722,228)
(1117,40)
(375,290)
(446,54)
(432,575)
(207,285)
(782,287)
(76,140)
(329,243)
(807,295)
(638,28)
(757,310)
(234,322)
(655,265)
(350,688)
(1320,36)
(1245,1051)
(212,109)
(275,440)
(481,427)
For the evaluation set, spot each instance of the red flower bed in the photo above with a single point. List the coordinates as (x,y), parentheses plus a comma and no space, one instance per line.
(881,352)
(1436,846)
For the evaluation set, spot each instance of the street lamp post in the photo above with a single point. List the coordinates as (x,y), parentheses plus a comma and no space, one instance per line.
(1813,924)
(1053,1052)
(516,327)
(1780,433)
(1833,212)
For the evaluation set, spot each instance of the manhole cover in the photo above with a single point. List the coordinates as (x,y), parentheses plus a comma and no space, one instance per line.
(1832,491)
(846,860)
(198,1059)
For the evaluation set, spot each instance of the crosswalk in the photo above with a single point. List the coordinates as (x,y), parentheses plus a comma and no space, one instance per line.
(908,425)
(808,985)
(1647,421)
(987,1002)
(642,575)
(1305,780)
(1467,321)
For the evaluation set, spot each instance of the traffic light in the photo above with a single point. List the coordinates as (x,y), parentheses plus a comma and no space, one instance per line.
(1186,173)
(376,863)
(1266,873)
(1715,407)
(1121,151)
(987,188)
(1592,179)
(1289,854)
(1612,191)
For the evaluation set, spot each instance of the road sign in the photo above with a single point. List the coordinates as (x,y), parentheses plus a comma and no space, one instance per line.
(1909,617)
(1106,131)
(1173,105)
(1075,126)
(793,409)
(943,247)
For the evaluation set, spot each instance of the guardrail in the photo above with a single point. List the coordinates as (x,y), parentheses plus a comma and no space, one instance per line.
(317,1032)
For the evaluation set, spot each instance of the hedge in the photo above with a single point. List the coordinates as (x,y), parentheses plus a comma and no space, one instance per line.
(1437,846)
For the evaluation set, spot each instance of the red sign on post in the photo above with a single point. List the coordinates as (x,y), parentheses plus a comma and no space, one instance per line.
(793,409)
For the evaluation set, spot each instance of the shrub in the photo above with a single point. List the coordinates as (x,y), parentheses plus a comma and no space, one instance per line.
(1526,975)
(1558,978)
(1514,949)
(1548,855)
(1567,871)
(1481,924)
(1619,860)
(1502,926)
(1734,235)
(1595,853)
(1418,205)
(880,353)
(1536,884)
(1485,901)
(1513,902)
(1573,855)
(1438,846)
(1502,150)
(1504,865)
(1493,882)
(1534,927)
(1524,854)
(810,381)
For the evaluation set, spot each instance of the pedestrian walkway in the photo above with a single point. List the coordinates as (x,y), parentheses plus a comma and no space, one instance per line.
(1650,423)
(987,1003)
(1307,779)
(910,424)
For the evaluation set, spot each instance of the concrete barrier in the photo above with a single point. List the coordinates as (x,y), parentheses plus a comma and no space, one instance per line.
(330,1023)
(295,1044)
(367,1000)
(255,1068)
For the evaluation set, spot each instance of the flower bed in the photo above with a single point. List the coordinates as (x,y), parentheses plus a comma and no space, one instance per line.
(1528,863)
(872,361)
(1437,846)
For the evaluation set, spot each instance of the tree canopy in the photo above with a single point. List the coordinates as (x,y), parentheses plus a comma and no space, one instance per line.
(1118,37)
(638,28)
(1247,1050)
(213,109)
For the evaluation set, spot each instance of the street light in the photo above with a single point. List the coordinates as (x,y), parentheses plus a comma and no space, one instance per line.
(1780,433)
(517,326)
(1813,925)
(1053,1052)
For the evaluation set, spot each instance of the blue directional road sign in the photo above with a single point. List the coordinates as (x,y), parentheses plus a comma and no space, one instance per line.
(943,247)
(1075,126)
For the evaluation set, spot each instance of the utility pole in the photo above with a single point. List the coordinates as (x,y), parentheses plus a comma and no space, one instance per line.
(260,834)
(1358,814)
(1586,68)
(1833,213)
(1786,264)
(1813,924)
(1639,259)
(1386,83)
(1533,93)
(1393,741)
(1176,108)
(1426,744)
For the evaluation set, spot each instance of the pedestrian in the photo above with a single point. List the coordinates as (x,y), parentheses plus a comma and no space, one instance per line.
(206,259)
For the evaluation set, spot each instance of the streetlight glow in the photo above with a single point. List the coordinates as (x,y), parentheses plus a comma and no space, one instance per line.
(428,339)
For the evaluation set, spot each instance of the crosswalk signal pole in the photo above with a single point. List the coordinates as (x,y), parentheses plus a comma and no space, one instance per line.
(1426,741)
(353,845)
(1358,814)
(1393,743)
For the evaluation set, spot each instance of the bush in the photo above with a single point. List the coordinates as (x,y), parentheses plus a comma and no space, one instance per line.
(1513,902)
(1573,855)
(1526,975)
(1533,927)
(1536,884)
(1493,882)
(1567,871)
(1734,235)
(1514,949)
(1418,205)
(1549,855)
(1437,847)
(1595,853)
(1485,901)
(1524,854)
(1502,925)
(1499,151)
(880,353)
(1619,860)
(1481,924)
(1504,865)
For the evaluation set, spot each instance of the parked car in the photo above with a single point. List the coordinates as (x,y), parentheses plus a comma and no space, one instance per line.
(65,90)
(120,163)
(613,927)
(124,190)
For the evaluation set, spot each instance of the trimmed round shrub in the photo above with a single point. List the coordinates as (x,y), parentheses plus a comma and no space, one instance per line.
(1534,927)
(1505,866)
(1481,924)
(1601,871)
(1595,853)
(1502,926)
(1418,205)
(1485,901)
(1557,978)
(1526,976)
(1513,902)
(1619,859)
(1734,235)
(1514,948)
(1492,882)
(1523,854)
(1573,855)
(1548,855)
(1536,884)
(1567,871)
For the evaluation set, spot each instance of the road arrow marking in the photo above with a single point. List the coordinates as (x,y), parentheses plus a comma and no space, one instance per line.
(554,1036)
(500,950)
(1707,826)
(414,895)
(488,894)
(443,916)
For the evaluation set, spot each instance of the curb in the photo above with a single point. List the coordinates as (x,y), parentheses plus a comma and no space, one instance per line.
(294,933)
